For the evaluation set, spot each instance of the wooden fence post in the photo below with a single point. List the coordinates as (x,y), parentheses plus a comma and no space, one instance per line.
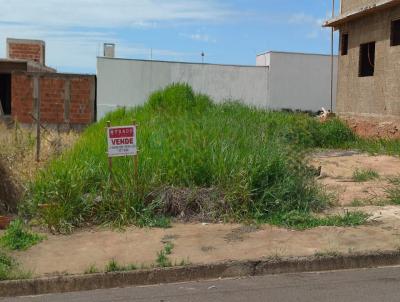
(109,158)
(36,96)
(135,157)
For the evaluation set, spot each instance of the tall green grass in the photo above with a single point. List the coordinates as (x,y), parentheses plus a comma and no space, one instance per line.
(255,158)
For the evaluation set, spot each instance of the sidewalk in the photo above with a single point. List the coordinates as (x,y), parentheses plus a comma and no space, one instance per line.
(207,243)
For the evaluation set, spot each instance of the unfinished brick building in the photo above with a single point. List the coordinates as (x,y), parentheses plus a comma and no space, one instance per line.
(369,58)
(29,89)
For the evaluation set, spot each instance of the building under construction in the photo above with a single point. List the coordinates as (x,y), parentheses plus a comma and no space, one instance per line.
(369,58)
(30,90)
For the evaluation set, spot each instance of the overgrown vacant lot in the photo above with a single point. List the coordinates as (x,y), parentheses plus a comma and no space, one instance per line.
(197,161)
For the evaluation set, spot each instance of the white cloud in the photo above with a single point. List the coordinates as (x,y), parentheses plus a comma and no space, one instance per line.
(141,51)
(106,13)
(313,23)
(305,19)
(75,29)
(199,37)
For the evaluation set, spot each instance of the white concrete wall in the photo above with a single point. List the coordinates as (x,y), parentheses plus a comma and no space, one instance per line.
(123,82)
(300,81)
(263,59)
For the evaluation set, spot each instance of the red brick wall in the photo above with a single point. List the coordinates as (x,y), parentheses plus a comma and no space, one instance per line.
(64,99)
(22,98)
(26,51)
(81,111)
(52,100)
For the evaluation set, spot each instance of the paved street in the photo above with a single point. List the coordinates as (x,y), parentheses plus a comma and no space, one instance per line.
(359,285)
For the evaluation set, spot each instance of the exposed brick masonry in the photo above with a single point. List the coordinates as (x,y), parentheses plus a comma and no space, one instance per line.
(22,94)
(29,51)
(65,99)
(350,5)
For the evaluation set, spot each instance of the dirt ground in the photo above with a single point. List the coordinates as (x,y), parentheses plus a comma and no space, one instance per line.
(374,127)
(337,168)
(207,243)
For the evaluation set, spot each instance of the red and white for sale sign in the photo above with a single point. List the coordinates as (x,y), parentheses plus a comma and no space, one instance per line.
(121,141)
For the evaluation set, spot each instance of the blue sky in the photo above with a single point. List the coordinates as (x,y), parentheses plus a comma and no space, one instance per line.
(229,32)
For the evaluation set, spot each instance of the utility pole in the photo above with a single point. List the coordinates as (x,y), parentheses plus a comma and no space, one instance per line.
(332,55)
(202,57)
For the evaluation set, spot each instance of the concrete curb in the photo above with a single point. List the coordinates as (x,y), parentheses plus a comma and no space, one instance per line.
(74,283)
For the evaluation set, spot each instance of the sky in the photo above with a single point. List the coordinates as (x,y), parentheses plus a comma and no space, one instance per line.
(228,32)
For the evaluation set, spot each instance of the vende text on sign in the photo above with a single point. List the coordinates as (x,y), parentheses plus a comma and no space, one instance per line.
(121,141)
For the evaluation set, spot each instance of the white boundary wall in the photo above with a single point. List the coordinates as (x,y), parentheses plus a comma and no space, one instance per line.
(280,80)
(122,82)
(300,81)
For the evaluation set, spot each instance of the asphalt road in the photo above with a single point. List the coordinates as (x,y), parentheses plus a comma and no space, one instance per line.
(358,285)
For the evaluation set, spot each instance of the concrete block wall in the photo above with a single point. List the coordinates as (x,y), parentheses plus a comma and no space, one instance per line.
(130,82)
(64,99)
(299,81)
(351,5)
(29,50)
(378,94)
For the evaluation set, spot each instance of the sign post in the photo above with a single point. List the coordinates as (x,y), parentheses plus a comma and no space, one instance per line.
(135,157)
(122,142)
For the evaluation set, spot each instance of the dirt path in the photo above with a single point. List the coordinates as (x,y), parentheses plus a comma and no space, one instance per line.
(206,243)
(337,175)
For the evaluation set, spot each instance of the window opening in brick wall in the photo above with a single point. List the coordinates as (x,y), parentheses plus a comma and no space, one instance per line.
(344,44)
(5,94)
(367,59)
(395,33)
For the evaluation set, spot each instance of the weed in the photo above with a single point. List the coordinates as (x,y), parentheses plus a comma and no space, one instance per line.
(162,259)
(92,269)
(275,257)
(358,203)
(301,221)
(17,237)
(168,247)
(9,269)
(370,202)
(114,266)
(131,267)
(393,192)
(7,264)
(365,175)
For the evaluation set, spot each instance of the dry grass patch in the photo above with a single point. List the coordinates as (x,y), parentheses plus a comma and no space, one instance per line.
(18,159)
